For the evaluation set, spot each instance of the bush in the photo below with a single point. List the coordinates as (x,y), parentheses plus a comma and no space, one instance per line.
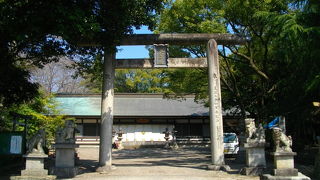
(40,113)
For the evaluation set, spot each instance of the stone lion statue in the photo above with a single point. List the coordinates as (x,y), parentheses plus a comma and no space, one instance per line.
(253,133)
(36,143)
(67,133)
(282,142)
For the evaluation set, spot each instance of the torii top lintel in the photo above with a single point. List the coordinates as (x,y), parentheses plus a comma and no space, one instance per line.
(177,39)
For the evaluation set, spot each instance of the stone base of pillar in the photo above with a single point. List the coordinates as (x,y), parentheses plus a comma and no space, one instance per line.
(65,172)
(271,177)
(218,167)
(105,169)
(252,171)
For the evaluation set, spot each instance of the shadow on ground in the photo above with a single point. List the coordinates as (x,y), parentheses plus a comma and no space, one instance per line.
(194,158)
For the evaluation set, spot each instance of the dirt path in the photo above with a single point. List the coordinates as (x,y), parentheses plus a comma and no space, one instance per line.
(157,163)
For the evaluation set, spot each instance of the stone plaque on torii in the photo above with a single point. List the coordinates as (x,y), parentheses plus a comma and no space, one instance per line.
(163,61)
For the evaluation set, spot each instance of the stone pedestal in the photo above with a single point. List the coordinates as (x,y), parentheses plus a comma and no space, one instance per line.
(300,176)
(65,160)
(35,165)
(34,168)
(255,158)
(284,164)
(284,168)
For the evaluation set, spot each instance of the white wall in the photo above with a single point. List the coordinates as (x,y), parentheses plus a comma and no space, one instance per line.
(142,132)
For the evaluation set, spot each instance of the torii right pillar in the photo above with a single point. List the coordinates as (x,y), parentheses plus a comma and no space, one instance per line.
(215,109)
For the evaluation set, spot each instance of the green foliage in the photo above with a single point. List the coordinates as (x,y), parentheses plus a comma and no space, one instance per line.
(93,73)
(275,73)
(126,80)
(190,17)
(30,36)
(41,113)
(188,81)
(282,53)
(193,16)
(140,81)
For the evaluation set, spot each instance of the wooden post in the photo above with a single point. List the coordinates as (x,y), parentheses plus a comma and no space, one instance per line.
(215,109)
(105,151)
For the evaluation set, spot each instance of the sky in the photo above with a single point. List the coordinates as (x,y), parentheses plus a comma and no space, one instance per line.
(130,52)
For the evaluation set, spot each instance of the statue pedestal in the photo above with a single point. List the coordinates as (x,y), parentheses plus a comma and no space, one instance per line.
(284,164)
(284,168)
(35,165)
(65,160)
(255,158)
(300,176)
(34,168)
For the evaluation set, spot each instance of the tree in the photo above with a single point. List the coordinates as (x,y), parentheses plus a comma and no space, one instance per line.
(126,80)
(58,77)
(280,54)
(273,73)
(41,112)
(30,36)
(140,81)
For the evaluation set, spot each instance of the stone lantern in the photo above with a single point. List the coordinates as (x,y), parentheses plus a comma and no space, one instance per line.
(120,137)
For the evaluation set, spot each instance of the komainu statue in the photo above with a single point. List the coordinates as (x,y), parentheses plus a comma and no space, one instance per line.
(67,133)
(282,142)
(254,134)
(36,143)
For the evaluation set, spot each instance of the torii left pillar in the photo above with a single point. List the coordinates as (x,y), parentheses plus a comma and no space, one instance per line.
(105,151)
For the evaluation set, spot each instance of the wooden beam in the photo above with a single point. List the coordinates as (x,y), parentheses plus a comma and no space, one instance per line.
(175,39)
(172,63)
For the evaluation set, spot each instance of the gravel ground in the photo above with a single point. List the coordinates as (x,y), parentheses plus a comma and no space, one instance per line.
(158,163)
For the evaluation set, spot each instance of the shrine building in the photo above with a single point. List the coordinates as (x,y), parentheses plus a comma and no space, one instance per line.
(143,117)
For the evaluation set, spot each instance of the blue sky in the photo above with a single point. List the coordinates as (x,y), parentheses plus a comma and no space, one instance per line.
(131,52)
(126,52)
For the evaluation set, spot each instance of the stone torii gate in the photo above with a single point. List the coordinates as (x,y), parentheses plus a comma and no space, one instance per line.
(212,62)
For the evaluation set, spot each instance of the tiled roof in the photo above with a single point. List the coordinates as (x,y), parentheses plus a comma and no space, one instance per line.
(131,105)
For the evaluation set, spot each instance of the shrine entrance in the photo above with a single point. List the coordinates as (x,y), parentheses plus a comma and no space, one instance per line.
(162,60)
